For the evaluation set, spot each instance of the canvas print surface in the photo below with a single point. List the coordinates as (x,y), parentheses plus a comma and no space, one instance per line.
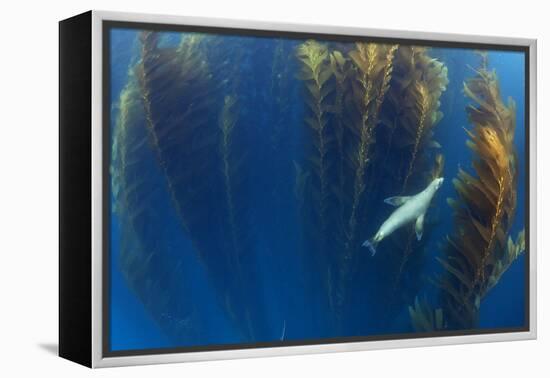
(279,190)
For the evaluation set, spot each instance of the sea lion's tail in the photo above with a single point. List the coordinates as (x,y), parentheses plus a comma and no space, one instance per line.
(371,245)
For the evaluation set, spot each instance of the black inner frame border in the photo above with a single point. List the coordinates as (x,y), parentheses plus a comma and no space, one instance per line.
(108,25)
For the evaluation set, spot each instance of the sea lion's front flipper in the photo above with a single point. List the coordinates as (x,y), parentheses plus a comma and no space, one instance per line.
(419,227)
(397,200)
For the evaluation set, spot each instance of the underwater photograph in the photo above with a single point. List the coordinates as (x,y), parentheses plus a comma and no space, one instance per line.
(275,189)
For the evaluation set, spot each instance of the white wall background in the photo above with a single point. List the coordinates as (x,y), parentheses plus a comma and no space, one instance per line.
(28,186)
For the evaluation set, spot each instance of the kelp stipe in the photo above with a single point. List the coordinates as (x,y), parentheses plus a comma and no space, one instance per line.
(477,251)
(227,124)
(411,252)
(342,71)
(145,248)
(235,225)
(315,72)
(410,246)
(317,178)
(369,80)
(374,65)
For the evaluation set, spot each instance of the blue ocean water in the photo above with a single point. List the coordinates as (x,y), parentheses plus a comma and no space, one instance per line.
(170,298)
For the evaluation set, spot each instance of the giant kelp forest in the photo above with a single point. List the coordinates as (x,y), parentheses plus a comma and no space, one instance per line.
(247,172)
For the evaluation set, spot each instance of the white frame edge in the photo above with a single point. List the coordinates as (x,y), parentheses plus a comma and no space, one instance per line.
(97,117)
(97,189)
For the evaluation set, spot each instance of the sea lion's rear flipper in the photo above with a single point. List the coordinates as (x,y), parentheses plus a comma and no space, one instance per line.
(419,227)
(397,200)
(370,245)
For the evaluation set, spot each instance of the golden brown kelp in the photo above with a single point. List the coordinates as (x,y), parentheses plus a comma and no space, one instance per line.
(484,210)
(437,170)
(316,178)
(426,319)
(407,161)
(315,72)
(412,112)
(373,69)
(357,83)
(513,251)
(145,249)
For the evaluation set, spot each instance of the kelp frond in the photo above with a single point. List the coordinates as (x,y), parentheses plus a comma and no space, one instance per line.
(486,203)
(422,106)
(424,318)
(177,79)
(419,81)
(123,154)
(129,104)
(513,251)
(315,72)
(373,63)
(316,179)
(418,84)
(437,169)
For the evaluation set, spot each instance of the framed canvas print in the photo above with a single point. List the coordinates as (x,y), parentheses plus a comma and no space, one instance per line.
(235,189)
